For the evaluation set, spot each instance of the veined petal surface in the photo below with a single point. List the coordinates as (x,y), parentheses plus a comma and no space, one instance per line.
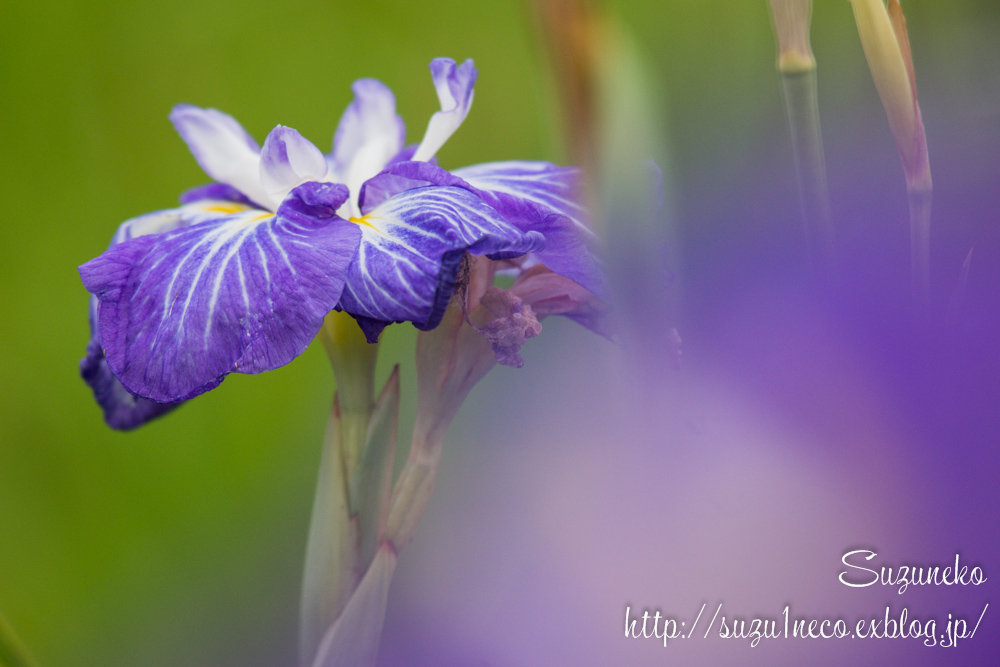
(122,410)
(222,148)
(411,250)
(557,188)
(455,89)
(242,290)
(546,198)
(569,246)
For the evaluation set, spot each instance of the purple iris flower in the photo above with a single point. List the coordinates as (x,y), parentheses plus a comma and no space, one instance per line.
(240,277)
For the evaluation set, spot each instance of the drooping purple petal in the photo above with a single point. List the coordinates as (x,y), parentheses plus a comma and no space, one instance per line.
(411,249)
(242,292)
(122,410)
(287,161)
(549,293)
(222,147)
(455,90)
(567,251)
(554,187)
(569,245)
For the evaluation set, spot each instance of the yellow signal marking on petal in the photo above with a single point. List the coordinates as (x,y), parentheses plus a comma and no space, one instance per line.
(226,208)
(364,221)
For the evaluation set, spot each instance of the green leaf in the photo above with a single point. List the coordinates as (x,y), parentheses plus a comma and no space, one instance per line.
(371,483)
(331,568)
(353,640)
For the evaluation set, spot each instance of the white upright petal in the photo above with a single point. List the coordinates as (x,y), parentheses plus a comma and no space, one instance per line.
(287,161)
(370,119)
(222,147)
(370,133)
(455,91)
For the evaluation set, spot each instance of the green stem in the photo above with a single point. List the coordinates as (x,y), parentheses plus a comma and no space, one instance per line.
(920,244)
(13,652)
(802,105)
(333,565)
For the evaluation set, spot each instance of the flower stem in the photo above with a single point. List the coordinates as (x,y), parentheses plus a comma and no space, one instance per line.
(920,244)
(412,490)
(13,652)
(353,361)
(333,566)
(802,105)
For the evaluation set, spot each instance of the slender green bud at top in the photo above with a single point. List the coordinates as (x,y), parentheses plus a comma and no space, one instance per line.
(570,30)
(791,25)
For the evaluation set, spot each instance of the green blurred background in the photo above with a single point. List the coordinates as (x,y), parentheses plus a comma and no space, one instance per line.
(182,543)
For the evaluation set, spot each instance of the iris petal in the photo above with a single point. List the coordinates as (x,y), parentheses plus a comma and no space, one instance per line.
(122,410)
(545,206)
(455,89)
(370,133)
(242,291)
(287,161)
(222,147)
(552,186)
(411,250)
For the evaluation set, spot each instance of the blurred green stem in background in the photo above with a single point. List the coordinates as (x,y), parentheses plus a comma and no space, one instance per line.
(13,652)
(882,30)
(797,67)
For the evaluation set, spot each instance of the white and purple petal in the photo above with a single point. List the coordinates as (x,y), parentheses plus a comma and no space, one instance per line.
(243,291)
(287,161)
(411,250)
(455,86)
(222,148)
(122,410)
(557,188)
(369,136)
(569,246)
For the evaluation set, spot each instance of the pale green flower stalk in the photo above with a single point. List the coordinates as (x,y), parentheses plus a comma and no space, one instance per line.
(797,68)
(13,652)
(451,359)
(353,486)
(882,30)
(361,519)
